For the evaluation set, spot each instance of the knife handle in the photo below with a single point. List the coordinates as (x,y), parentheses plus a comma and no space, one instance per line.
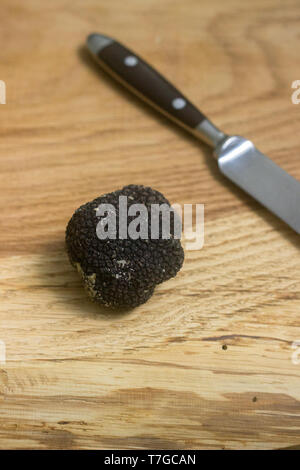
(148,84)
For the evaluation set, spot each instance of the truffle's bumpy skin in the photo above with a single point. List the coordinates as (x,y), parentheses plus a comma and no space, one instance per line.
(121,273)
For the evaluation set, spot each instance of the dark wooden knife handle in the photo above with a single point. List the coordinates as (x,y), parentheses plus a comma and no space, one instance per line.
(146,82)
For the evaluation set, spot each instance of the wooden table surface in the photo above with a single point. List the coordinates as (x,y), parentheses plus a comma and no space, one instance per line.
(207,362)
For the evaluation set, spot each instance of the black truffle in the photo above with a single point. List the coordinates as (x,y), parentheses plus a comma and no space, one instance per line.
(122,272)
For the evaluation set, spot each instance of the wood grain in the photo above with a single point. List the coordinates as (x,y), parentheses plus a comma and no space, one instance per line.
(206,363)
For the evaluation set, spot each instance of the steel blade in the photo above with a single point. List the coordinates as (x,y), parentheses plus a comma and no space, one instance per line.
(260,177)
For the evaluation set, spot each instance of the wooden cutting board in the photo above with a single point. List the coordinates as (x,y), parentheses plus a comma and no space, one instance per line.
(208,362)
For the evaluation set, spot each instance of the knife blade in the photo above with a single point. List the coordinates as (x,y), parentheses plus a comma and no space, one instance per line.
(238,159)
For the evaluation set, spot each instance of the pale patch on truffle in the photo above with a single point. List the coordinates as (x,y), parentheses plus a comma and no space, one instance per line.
(122,262)
(89,281)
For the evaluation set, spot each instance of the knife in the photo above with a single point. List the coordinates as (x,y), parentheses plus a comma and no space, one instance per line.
(238,159)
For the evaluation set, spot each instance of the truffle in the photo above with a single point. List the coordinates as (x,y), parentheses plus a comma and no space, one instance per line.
(117,271)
